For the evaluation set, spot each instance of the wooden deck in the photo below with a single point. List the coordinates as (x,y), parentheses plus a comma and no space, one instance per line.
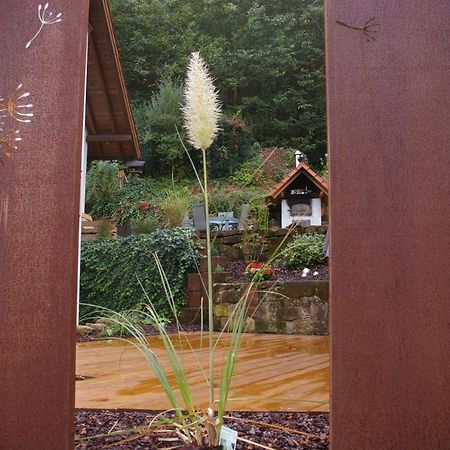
(273,373)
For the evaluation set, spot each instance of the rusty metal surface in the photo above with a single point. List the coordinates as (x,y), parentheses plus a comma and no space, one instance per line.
(389,136)
(39,208)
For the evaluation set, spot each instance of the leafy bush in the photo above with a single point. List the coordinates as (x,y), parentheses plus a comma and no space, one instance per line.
(131,317)
(250,173)
(101,182)
(110,270)
(305,250)
(128,203)
(278,162)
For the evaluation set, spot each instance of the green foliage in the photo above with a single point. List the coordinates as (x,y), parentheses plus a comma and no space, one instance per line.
(163,110)
(147,225)
(268,58)
(110,270)
(251,173)
(305,250)
(101,182)
(233,146)
(104,231)
(157,121)
(119,329)
(129,203)
(230,198)
(323,171)
(258,218)
(174,207)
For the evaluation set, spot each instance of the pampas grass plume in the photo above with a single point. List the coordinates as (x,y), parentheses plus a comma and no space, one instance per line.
(201,104)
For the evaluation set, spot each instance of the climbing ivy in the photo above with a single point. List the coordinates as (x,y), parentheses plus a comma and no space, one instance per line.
(111,270)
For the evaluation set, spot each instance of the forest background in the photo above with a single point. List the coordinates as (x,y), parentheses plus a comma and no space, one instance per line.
(267,59)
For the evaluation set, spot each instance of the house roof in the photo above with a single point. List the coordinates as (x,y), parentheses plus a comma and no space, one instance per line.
(109,120)
(302,168)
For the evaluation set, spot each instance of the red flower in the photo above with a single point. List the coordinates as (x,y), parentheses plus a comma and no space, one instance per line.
(263,271)
(144,206)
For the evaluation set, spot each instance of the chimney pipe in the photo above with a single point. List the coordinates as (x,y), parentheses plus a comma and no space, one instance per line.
(298,158)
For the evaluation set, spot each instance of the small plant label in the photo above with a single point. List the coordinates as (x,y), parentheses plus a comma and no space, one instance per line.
(228,438)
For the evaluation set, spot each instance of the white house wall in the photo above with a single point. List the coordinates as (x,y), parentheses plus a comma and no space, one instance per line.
(315,218)
(83,173)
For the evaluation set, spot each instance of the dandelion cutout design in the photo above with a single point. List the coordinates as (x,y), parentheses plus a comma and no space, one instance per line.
(46,17)
(16,107)
(8,142)
(13,108)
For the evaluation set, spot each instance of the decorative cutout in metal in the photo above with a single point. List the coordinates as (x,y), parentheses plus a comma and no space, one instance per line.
(8,142)
(14,107)
(46,17)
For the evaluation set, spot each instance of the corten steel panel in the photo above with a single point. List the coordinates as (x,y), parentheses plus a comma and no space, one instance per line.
(389,139)
(39,213)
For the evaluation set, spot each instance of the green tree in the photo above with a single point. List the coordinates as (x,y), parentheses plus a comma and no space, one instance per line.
(157,121)
(267,57)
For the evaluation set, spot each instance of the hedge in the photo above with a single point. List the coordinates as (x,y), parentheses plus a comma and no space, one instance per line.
(110,270)
(305,250)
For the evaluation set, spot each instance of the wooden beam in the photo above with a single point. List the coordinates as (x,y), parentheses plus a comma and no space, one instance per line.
(91,124)
(109,138)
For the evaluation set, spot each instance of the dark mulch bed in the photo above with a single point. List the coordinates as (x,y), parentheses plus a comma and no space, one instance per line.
(237,273)
(306,431)
(149,331)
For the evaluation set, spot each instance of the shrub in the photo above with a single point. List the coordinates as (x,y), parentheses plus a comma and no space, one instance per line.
(101,182)
(128,203)
(305,250)
(250,173)
(110,270)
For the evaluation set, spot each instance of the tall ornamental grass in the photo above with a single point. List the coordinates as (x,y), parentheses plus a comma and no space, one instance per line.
(191,424)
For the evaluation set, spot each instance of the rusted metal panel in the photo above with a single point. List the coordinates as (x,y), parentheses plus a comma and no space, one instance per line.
(39,218)
(388,112)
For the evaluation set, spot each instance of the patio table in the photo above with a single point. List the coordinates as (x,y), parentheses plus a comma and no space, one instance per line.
(223,223)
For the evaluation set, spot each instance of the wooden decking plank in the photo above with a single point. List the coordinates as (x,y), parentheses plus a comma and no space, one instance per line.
(273,372)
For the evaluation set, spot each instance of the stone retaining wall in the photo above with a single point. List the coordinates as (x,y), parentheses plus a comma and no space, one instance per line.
(239,245)
(290,307)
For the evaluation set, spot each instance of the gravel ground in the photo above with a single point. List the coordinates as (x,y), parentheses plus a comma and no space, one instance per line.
(277,430)
(237,273)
